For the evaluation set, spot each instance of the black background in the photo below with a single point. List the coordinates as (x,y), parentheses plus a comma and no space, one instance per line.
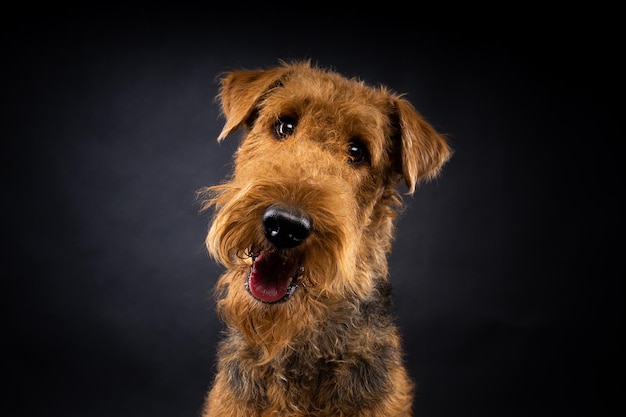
(508,269)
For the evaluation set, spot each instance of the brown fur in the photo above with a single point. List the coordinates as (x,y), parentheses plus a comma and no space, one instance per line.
(331,348)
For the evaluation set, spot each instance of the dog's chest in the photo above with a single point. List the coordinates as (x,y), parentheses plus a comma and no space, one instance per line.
(319,374)
(336,385)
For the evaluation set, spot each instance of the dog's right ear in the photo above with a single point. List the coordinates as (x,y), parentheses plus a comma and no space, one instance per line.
(240,92)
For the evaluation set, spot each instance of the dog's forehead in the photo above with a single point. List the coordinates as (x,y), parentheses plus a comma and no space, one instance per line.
(331,87)
(331,97)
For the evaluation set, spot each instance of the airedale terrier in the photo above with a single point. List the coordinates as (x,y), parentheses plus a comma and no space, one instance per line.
(304,228)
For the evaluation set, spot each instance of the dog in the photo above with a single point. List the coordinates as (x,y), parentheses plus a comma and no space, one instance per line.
(303,228)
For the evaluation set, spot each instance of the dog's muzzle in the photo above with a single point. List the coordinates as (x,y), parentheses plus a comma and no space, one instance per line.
(273,275)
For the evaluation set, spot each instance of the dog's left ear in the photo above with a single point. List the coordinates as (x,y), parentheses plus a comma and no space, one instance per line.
(423,151)
(241,91)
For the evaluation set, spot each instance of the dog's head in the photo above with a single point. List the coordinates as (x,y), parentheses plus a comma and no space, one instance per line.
(308,212)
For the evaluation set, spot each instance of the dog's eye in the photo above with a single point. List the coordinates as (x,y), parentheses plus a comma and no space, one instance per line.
(358,153)
(284,126)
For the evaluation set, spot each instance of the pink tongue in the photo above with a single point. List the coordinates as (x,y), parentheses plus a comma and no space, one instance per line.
(270,276)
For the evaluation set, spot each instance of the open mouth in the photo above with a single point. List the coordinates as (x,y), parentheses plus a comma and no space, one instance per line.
(273,277)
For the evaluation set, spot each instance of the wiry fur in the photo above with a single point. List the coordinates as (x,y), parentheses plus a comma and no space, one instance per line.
(332,348)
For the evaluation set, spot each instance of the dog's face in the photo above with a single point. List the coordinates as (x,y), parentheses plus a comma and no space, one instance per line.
(309,210)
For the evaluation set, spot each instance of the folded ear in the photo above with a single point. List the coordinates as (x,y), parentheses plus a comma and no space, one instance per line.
(240,91)
(423,151)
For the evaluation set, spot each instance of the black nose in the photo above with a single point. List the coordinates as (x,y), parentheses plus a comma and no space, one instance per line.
(285,228)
